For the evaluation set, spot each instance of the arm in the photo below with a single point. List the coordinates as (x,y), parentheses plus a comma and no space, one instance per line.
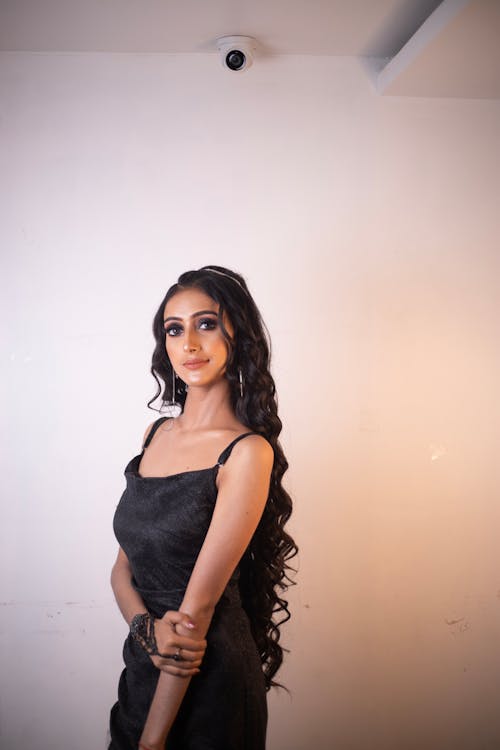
(130,603)
(243,491)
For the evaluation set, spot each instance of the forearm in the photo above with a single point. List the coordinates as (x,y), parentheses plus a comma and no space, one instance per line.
(129,601)
(169,693)
(171,689)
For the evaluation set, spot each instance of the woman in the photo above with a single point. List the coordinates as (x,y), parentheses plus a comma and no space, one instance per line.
(202,541)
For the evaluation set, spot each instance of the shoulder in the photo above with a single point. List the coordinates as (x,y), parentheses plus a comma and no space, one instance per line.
(247,472)
(148,430)
(253,450)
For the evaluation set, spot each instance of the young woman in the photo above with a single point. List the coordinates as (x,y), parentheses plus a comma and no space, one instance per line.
(200,526)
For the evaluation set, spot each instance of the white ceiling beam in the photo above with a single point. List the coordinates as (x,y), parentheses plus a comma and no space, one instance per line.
(429,30)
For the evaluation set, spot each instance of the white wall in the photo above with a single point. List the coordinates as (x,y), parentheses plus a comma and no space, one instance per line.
(367,229)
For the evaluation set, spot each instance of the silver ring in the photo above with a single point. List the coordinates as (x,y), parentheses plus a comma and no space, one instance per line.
(177,655)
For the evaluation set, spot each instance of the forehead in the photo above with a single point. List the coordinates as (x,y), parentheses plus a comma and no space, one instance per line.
(188,301)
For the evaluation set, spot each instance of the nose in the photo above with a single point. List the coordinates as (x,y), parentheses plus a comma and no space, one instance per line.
(190,340)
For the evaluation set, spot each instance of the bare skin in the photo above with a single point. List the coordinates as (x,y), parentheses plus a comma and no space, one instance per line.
(195,441)
(168,640)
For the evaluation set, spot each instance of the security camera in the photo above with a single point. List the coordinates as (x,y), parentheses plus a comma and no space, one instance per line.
(236,52)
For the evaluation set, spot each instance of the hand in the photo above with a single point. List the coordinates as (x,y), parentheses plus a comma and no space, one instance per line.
(170,643)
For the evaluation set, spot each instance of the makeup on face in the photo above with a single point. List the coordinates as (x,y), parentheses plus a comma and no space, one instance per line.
(193,336)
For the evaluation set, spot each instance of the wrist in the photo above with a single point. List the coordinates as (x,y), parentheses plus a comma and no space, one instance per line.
(133,614)
(142,630)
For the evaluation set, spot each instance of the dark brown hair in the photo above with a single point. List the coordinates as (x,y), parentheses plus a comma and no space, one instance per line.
(264,567)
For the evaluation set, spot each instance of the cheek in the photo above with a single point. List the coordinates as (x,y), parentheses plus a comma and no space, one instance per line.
(170,345)
(223,348)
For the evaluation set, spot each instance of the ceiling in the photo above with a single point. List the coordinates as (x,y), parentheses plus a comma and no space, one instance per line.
(432,48)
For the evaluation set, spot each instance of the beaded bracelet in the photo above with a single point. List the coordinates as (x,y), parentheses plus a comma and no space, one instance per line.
(142,630)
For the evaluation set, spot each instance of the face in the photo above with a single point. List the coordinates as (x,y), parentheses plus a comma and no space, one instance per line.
(194,340)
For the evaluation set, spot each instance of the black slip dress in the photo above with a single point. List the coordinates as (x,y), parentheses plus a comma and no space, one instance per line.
(161,523)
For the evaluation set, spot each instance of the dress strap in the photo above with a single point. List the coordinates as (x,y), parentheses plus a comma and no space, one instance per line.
(227,451)
(153,430)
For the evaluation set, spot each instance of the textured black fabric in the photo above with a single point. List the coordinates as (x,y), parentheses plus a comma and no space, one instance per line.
(161,523)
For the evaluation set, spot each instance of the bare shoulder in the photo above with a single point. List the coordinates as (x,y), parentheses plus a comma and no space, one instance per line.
(254,450)
(248,470)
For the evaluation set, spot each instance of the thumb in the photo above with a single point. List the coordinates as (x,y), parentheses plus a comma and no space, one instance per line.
(178,618)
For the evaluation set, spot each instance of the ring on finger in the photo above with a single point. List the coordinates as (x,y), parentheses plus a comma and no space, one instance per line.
(177,656)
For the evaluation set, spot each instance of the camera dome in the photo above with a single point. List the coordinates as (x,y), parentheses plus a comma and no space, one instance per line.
(236,52)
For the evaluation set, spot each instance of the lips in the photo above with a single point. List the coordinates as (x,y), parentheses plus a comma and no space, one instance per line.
(193,363)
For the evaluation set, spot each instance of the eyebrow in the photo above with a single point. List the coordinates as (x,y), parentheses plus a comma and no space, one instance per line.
(194,315)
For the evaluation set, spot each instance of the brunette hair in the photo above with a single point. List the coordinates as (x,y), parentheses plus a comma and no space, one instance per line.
(263,568)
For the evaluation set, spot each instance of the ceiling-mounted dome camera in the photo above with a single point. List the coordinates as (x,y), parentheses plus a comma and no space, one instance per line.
(236,52)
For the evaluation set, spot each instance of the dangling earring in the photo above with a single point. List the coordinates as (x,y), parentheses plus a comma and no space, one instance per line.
(240,376)
(171,408)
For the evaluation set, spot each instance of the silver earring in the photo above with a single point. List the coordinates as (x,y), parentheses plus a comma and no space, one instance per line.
(240,376)
(171,408)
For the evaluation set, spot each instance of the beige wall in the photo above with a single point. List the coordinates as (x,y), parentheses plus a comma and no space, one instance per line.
(367,229)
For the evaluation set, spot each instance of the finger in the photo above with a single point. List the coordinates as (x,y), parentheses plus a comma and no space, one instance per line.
(184,655)
(178,672)
(179,618)
(166,661)
(170,643)
(181,655)
(189,644)
(185,659)
(173,640)
(184,665)
(185,675)
(189,660)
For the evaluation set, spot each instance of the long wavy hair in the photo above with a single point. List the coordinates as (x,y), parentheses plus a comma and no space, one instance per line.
(264,569)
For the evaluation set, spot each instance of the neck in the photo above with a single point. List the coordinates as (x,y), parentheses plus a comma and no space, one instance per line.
(207,407)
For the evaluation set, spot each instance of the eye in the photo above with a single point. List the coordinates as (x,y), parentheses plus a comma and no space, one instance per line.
(208,324)
(171,330)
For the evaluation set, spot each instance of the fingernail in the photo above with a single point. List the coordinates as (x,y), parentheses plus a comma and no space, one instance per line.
(191,624)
